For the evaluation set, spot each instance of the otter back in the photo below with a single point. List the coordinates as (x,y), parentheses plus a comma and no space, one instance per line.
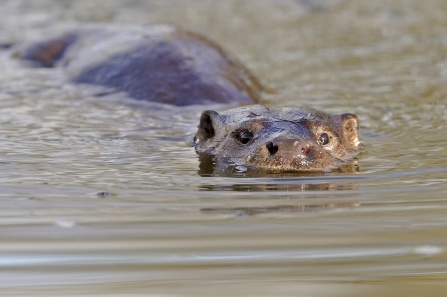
(161,63)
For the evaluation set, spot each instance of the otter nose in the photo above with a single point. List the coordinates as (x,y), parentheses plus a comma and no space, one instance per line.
(288,147)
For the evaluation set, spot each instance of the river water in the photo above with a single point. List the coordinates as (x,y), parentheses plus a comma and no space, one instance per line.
(104,196)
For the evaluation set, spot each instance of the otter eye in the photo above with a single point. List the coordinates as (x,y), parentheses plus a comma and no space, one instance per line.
(245,136)
(323,139)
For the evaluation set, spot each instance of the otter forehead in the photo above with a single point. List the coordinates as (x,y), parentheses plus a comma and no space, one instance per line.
(293,118)
(268,127)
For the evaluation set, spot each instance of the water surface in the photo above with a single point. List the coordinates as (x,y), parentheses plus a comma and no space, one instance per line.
(102,195)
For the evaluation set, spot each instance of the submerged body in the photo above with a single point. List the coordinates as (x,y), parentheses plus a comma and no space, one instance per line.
(160,63)
(278,140)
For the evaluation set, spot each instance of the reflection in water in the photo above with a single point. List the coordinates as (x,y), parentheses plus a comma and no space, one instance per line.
(241,211)
(297,185)
(210,166)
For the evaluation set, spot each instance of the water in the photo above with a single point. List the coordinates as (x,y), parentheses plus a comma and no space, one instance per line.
(103,196)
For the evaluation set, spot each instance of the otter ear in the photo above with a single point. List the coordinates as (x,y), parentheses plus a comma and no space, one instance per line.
(350,124)
(209,121)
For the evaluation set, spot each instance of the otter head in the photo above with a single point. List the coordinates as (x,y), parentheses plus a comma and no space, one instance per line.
(278,140)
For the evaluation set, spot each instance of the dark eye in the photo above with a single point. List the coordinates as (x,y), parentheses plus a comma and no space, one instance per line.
(245,136)
(323,139)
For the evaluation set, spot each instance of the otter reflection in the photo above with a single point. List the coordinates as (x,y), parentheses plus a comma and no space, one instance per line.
(294,186)
(211,166)
(241,211)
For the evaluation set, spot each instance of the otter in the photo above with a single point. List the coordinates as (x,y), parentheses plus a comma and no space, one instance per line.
(292,139)
(169,65)
(160,63)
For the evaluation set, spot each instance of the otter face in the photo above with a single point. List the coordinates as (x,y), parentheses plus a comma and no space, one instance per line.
(279,140)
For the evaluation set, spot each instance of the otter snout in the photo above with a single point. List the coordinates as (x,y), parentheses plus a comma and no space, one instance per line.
(289,148)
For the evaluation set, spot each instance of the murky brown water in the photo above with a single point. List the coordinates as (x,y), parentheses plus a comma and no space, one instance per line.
(101,196)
